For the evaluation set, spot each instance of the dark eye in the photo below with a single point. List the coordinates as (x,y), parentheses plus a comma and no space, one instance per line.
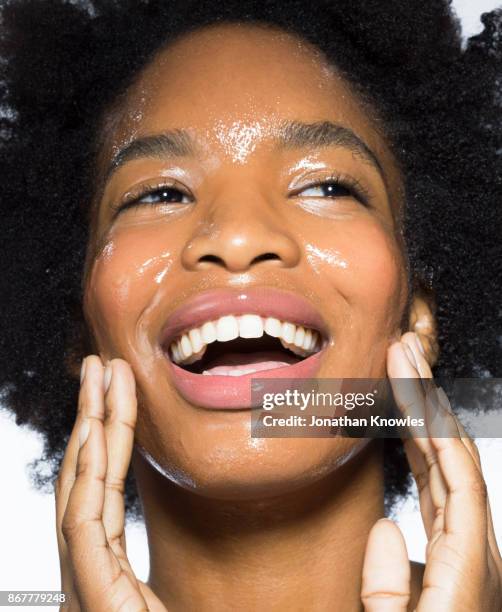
(329,189)
(164,195)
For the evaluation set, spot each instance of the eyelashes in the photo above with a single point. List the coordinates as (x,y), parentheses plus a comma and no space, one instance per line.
(165,195)
(335,186)
(153,195)
(332,187)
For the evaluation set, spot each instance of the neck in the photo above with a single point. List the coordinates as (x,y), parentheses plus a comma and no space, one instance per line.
(300,551)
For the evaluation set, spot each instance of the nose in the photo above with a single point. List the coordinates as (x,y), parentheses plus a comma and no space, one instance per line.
(239,234)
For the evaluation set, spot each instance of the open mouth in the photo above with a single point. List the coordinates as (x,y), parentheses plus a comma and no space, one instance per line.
(239,345)
(220,343)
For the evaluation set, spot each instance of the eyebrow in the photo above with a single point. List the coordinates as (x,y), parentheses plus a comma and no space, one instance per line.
(296,134)
(292,135)
(173,143)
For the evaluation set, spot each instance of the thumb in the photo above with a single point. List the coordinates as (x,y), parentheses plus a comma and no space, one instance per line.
(386,570)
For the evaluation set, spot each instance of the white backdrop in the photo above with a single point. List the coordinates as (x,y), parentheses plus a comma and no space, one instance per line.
(28,548)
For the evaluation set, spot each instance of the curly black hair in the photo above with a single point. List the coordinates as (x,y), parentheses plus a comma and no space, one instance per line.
(64,64)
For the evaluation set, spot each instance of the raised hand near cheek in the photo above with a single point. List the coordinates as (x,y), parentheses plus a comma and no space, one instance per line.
(95,571)
(463,570)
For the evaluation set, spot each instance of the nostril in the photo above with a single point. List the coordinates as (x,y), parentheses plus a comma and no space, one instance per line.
(265,257)
(212,259)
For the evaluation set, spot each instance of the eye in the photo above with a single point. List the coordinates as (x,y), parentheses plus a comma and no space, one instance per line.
(153,196)
(327,189)
(164,195)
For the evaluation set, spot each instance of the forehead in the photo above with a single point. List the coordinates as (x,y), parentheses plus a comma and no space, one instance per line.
(235,81)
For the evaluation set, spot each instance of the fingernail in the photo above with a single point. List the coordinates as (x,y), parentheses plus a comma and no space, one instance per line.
(107,379)
(82,371)
(420,344)
(83,432)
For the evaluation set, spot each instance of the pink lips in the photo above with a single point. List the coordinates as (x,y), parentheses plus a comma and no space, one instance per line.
(226,392)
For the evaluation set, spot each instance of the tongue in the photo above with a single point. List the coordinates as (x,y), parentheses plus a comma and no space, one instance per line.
(238,364)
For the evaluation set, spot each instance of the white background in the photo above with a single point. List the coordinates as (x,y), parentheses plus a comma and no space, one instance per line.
(28,548)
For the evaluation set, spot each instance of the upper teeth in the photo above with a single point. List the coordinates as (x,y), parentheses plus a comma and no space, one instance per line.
(191,345)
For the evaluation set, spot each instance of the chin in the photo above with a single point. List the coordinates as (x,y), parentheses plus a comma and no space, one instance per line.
(259,468)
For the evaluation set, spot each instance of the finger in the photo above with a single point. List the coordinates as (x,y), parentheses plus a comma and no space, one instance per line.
(99,578)
(464,436)
(413,342)
(120,422)
(411,400)
(422,463)
(420,471)
(386,570)
(467,494)
(407,390)
(90,403)
(474,452)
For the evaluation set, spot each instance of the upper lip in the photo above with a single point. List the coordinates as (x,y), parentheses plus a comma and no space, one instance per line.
(263,301)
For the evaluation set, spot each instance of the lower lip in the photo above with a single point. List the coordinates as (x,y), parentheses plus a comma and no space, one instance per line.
(234,392)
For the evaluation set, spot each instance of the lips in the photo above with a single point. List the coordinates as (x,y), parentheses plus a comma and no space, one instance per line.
(216,343)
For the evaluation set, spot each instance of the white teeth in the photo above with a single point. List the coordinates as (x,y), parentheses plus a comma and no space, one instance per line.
(306,347)
(294,349)
(250,326)
(191,346)
(186,346)
(196,356)
(208,332)
(299,336)
(196,340)
(273,327)
(288,332)
(307,340)
(227,328)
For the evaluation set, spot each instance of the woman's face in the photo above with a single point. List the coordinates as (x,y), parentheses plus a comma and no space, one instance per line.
(242,176)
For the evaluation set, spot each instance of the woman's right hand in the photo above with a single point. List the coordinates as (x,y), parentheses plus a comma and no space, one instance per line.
(95,571)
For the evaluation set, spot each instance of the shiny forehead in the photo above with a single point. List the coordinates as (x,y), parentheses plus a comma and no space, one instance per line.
(233,85)
(231,72)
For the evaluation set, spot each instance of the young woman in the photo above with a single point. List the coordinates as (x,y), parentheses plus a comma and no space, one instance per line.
(199,194)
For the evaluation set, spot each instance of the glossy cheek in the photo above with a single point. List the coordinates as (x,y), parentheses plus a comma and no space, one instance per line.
(122,282)
(377,264)
(361,261)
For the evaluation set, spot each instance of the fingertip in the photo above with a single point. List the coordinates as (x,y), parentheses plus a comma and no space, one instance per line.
(121,365)
(386,569)
(94,361)
(413,344)
(384,526)
(107,377)
(120,397)
(117,368)
(385,520)
(401,362)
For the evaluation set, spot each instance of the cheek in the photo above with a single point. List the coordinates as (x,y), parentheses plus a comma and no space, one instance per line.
(377,264)
(123,280)
(362,261)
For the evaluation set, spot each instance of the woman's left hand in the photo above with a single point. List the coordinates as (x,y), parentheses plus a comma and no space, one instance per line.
(463,568)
